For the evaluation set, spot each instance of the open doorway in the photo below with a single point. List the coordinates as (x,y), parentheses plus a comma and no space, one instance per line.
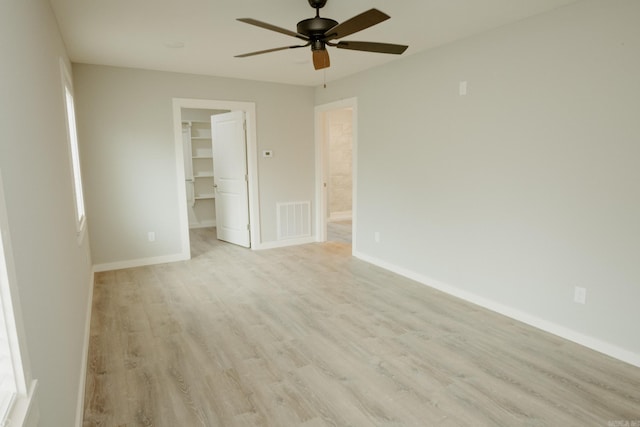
(339,141)
(195,113)
(336,137)
(198,166)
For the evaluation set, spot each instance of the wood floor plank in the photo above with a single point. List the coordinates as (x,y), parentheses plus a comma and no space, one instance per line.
(309,336)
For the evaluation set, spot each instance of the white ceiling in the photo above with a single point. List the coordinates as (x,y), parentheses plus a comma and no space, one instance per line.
(136,33)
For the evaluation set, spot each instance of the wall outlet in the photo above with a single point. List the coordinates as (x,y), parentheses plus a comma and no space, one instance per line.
(376,236)
(151,236)
(580,295)
(462,88)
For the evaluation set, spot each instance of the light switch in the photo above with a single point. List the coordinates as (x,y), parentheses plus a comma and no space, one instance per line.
(267,153)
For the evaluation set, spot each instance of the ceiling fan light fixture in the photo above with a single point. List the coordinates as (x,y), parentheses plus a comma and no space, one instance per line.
(321,59)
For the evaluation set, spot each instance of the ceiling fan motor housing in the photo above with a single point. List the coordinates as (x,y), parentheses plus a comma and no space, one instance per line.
(315,28)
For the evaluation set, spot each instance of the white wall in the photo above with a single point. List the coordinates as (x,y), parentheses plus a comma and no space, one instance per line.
(53,271)
(125,126)
(524,188)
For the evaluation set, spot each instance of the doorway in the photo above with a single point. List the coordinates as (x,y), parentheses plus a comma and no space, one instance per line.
(180,105)
(336,143)
(198,166)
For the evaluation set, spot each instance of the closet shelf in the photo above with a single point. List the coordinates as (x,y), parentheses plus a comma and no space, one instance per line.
(205,196)
(196,122)
(198,160)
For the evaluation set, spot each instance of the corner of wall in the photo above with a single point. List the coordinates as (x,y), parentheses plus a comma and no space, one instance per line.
(85,352)
(521,316)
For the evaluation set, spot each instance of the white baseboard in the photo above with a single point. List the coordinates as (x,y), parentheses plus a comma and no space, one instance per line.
(85,355)
(537,322)
(118,265)
(340,216)
(285,243)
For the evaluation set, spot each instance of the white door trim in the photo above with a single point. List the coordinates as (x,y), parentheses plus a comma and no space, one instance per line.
(249,109)
(321,167)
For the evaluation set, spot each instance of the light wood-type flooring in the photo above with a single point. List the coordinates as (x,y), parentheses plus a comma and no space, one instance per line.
(339,231)
(309,336)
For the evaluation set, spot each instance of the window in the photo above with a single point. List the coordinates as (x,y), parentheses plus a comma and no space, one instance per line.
(72,135)
(7,377)
(16,387)
(7,381)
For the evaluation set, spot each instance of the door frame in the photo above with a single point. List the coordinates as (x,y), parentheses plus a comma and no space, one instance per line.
(322,163)
(249,109)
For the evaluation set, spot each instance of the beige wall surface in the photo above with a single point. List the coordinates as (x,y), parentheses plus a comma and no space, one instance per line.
(126,134)
(53,271)
(527,186)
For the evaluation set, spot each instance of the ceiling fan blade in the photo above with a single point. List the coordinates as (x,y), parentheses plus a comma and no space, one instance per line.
(272,28)
(260,52)
(396,49)
(321,59)
(358,23)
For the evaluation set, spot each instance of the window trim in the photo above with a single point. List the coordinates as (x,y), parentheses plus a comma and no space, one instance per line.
(21,408)
(77,186)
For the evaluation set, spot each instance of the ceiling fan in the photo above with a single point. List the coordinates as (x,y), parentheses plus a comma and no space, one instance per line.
(320,32)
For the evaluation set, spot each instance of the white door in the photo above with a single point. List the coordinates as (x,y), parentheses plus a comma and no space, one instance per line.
(230,177)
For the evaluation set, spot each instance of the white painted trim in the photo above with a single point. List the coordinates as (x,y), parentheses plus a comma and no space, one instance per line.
(85,354)
(183,216)
(249,109)
(140,262)
(321,194)
(321,173)
(16,336)
(25,410)
(286,243)
(340,216)
(537,322)
(78,199)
